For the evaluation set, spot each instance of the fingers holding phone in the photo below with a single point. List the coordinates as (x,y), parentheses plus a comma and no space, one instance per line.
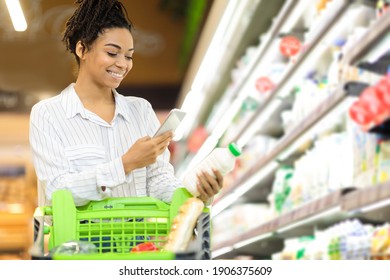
(166,137)
(145,151)
(163,140)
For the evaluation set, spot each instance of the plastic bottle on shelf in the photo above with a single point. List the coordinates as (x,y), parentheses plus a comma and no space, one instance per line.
(222,159)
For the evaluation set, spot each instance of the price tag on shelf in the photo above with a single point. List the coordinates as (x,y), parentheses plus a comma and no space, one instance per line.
(264,84)
(290,46)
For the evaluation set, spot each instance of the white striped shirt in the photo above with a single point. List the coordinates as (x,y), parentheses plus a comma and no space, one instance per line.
(75,149)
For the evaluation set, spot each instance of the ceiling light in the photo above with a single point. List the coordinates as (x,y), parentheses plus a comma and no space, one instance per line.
(17,16)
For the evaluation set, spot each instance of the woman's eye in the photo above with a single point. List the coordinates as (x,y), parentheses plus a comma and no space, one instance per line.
(129,58)
(111,54)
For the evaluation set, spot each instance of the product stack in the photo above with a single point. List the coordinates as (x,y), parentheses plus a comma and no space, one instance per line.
(348,240)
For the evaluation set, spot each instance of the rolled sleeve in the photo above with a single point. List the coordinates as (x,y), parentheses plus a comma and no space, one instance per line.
(110,174)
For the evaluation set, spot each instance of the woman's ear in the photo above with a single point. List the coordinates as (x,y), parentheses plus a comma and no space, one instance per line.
(80,50)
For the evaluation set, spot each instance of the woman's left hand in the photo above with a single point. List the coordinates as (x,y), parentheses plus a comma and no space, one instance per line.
(209,185)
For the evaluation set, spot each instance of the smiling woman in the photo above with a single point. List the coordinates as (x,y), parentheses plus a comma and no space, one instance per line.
(90,139)
(111,61)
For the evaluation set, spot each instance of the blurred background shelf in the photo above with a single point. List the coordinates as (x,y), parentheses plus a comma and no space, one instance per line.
(362,63)
(371,204)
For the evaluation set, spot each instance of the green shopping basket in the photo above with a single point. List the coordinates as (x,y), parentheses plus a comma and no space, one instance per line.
(115,226)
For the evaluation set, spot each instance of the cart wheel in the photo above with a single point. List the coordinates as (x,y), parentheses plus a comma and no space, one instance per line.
(203,235)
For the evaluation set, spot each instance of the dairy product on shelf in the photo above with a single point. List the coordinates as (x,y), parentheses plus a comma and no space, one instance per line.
(347,240)
(311,178)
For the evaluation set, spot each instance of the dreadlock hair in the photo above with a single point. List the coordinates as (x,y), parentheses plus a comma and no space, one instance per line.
(90,19)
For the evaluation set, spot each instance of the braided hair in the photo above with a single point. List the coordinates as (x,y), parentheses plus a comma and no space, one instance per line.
(90,19)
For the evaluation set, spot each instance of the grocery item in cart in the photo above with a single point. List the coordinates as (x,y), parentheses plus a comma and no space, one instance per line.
(183,225)
(74,247)
(142,247)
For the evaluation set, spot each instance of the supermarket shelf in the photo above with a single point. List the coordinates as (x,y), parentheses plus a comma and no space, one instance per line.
(268,244)
(259,54)
(262,114)
(240,27)
(373,35)
(290,144)
(367,76)
(300,221)
(285,147)
(234,103)
(319,213)
(371,203)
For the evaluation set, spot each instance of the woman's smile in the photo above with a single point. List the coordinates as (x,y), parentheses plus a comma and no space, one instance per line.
(116,75)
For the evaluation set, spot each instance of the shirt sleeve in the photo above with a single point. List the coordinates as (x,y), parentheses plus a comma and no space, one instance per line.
(161,181)
(53,169)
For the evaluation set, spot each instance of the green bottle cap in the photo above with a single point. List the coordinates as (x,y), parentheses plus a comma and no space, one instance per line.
(234,149)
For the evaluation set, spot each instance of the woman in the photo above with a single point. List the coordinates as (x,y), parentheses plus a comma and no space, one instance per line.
(93,141)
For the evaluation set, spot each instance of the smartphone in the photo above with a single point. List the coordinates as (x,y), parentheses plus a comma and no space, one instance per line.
(172,121)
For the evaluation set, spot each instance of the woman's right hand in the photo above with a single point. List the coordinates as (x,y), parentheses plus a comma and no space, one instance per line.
(145,151)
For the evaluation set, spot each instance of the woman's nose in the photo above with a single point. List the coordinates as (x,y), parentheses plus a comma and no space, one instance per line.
(121,62)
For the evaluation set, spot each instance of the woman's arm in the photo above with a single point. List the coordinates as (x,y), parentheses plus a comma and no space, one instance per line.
(53,168)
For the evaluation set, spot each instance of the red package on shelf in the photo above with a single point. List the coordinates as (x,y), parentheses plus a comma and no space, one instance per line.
(383,92)
(361,115)
(374,105)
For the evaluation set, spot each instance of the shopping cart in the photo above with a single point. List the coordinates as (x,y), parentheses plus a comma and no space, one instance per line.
(115,226)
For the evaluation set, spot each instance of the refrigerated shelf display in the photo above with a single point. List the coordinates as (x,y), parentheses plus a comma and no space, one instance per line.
(336,39)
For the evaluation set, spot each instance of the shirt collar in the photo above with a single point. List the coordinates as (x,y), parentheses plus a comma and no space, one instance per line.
(72,103)
(120,105)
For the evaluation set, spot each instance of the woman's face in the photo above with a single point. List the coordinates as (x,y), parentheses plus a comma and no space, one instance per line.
(109,58)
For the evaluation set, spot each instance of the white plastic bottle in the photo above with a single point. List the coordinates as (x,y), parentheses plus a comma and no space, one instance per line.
(222,159)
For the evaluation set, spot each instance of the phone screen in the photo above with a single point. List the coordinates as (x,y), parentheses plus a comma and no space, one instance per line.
(173,120)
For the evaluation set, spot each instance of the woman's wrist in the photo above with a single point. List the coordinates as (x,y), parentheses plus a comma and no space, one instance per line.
(127,166)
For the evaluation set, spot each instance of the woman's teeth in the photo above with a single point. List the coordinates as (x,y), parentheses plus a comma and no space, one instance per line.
(116,75)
